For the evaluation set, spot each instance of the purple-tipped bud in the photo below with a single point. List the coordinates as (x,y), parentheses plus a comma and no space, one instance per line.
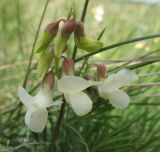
(50,33)
(52,28)
(79,30)
(84,42)
(101,71)
(67,28)
(68,66)
(49,80)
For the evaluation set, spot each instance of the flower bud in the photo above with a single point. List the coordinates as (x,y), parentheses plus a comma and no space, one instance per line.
(67,29)
(52,28)
(44,62)
(101,71)
(49,34)
(63,36)
(49,80)
(88,44)
(84,42)
(79,30)
(68,66)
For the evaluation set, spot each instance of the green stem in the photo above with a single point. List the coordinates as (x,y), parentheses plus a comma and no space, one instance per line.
(101,34)
(83,65)
(56,131)
(34,44)
(57,66)
(84,10)
(138,65)
(19,25)
(117,45)
(141,57)
(144,104)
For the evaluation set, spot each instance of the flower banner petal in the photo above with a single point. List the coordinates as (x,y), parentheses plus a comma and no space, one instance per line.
(126,76)
(118,99)
(25,98)
(80,103)
(115,81)
(36,119)
(71,84)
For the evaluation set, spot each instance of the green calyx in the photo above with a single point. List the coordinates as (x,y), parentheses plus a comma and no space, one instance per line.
(59,45)
(44,42)
(48,36)
(88,44)
(44,62)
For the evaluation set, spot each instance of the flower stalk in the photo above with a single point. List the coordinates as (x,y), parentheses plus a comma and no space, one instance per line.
(55,133)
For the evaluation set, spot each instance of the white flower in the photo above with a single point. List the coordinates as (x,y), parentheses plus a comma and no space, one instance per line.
(72,87)
(109,89)
(37,114)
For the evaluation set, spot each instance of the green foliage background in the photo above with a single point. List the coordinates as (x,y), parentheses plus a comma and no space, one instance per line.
(105,129)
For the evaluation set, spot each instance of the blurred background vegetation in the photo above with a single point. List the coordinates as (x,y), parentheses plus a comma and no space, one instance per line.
(136,129)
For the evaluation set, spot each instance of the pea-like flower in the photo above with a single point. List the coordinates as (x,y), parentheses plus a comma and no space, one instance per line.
(109,89)
(72,87)
(37,114)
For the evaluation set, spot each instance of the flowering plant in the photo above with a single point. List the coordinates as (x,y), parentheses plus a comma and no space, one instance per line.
(76,88)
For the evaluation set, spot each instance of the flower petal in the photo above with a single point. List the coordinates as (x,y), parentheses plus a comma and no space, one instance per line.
(67,97)
(43,99)
(126,76)
(115,81)
(118,99)
(103,94)
(55,103)
(25,98)
(71,84)
(80,103)
(36,119)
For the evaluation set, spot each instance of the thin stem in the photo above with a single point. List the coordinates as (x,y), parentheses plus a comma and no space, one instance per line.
(141,57)
(34,44)
(117,45)
(84,10)
(138,65)
(144,104)
(82,19)
(101,34)
(19,33)
(55,134)
(83,65)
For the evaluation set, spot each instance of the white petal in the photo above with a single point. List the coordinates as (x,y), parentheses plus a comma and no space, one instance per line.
(25,98)
(36,119)
(103,95)
(55,103)
(80,103)
(118,99)
(42,99)
(71,84)
(67,97)
(126,76)
(115,81)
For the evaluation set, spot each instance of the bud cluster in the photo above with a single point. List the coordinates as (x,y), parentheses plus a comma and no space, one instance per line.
(56,38)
